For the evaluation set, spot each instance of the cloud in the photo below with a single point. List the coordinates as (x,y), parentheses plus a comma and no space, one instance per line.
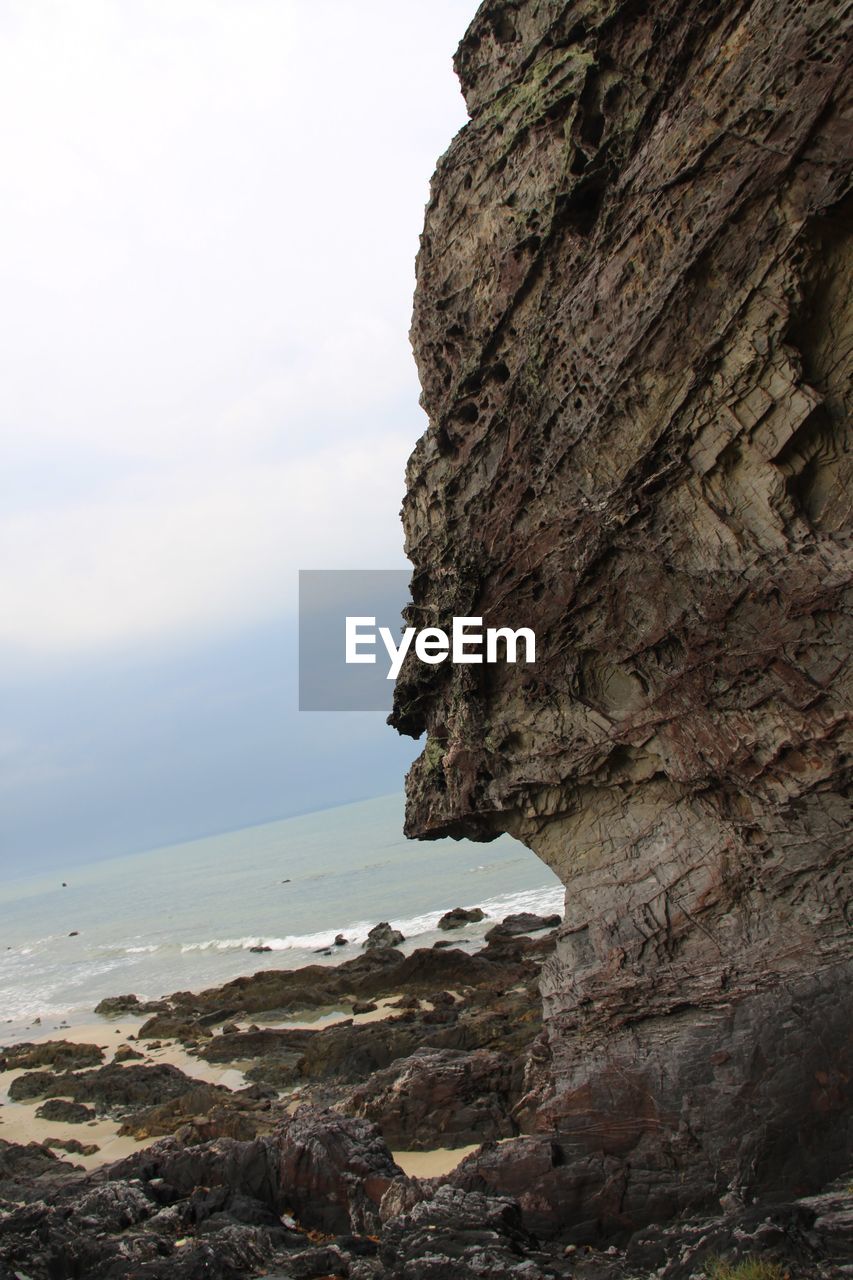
(211,216)
(191,549)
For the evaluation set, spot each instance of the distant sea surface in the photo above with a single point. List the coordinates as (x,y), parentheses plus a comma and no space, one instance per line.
(184,917)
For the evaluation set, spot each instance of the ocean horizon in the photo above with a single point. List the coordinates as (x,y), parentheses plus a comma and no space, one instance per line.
(184,917)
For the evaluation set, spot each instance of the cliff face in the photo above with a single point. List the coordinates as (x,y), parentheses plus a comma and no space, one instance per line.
(633,330)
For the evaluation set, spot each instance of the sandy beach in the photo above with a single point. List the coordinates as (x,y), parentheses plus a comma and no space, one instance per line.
(19,1123)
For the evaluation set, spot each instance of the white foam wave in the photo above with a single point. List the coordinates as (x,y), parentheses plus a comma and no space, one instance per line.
(301,942)
(545,901)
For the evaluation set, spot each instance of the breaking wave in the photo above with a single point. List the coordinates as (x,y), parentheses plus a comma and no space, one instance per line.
(543,901)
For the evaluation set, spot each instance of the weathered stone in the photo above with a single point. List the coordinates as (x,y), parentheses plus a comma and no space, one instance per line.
(441,1098)
(66,1112)
(632,326)
(519,925)
(173,1026)
(73,1145)
(34,1084)
(332,1170)
(25,1160)
(61,1055)
(212,1110)
(222,1211)
(125,1053)
(467,1233)
(458,917)
(115,1006)
(113,1089)
(382,936)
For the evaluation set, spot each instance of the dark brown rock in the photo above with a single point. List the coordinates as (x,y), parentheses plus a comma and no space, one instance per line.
(34,1084)
(113,1089)
(458,917)
(116,1006)
(206,1105)
(72,1145)
(61,1055)
(28,1160)
(465,1233)
(333,1170)
(523,923)
(632,326)
(441,1098)
(382,936)
(278,1073)
(300,1202)
(271,1044)
(369,975)
(67,1112)
(552,1192)
(442,1000)
(124,1053)
(173,1026)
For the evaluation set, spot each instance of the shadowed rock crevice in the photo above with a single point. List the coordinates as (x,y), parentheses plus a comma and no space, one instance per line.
(633,331)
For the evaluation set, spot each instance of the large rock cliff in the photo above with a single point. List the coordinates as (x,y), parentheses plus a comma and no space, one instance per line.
(633,330)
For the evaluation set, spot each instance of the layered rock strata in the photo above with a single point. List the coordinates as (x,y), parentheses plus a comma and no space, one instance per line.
(633,331)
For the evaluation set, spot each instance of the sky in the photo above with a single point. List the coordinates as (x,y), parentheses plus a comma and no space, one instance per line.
(211,213)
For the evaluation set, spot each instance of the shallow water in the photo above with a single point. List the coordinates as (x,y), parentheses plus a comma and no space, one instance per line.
(183,917)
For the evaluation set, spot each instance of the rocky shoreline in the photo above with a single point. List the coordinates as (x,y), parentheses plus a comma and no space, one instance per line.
(295,1171)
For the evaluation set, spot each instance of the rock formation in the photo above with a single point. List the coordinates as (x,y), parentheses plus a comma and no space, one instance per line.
(322,1197)
(633,331)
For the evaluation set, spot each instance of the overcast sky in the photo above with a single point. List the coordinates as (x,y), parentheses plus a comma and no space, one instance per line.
(211,212)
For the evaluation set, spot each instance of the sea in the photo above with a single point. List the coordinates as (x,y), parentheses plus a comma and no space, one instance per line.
(184,917)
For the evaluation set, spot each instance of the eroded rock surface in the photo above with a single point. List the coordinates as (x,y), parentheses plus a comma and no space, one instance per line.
(442,1098)
(633,330)
(321,1196)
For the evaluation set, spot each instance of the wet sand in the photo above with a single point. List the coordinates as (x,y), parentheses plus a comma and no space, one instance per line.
(19,1123)
(432,1164)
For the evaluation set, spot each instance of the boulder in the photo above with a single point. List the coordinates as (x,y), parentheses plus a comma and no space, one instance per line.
(199,1101)
(116,1006)
(457,1234)
(125,1053)
(66,1112)
(535,1173)
(72,1145)
(382,937)
(30,1159)
(173,1026)
(458,917)
(441,1098)
(61,1055)
(523,923)
(34,1084)
(113,1089)
(332,1170)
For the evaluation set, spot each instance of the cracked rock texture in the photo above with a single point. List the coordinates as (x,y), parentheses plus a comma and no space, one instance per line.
(633,330)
